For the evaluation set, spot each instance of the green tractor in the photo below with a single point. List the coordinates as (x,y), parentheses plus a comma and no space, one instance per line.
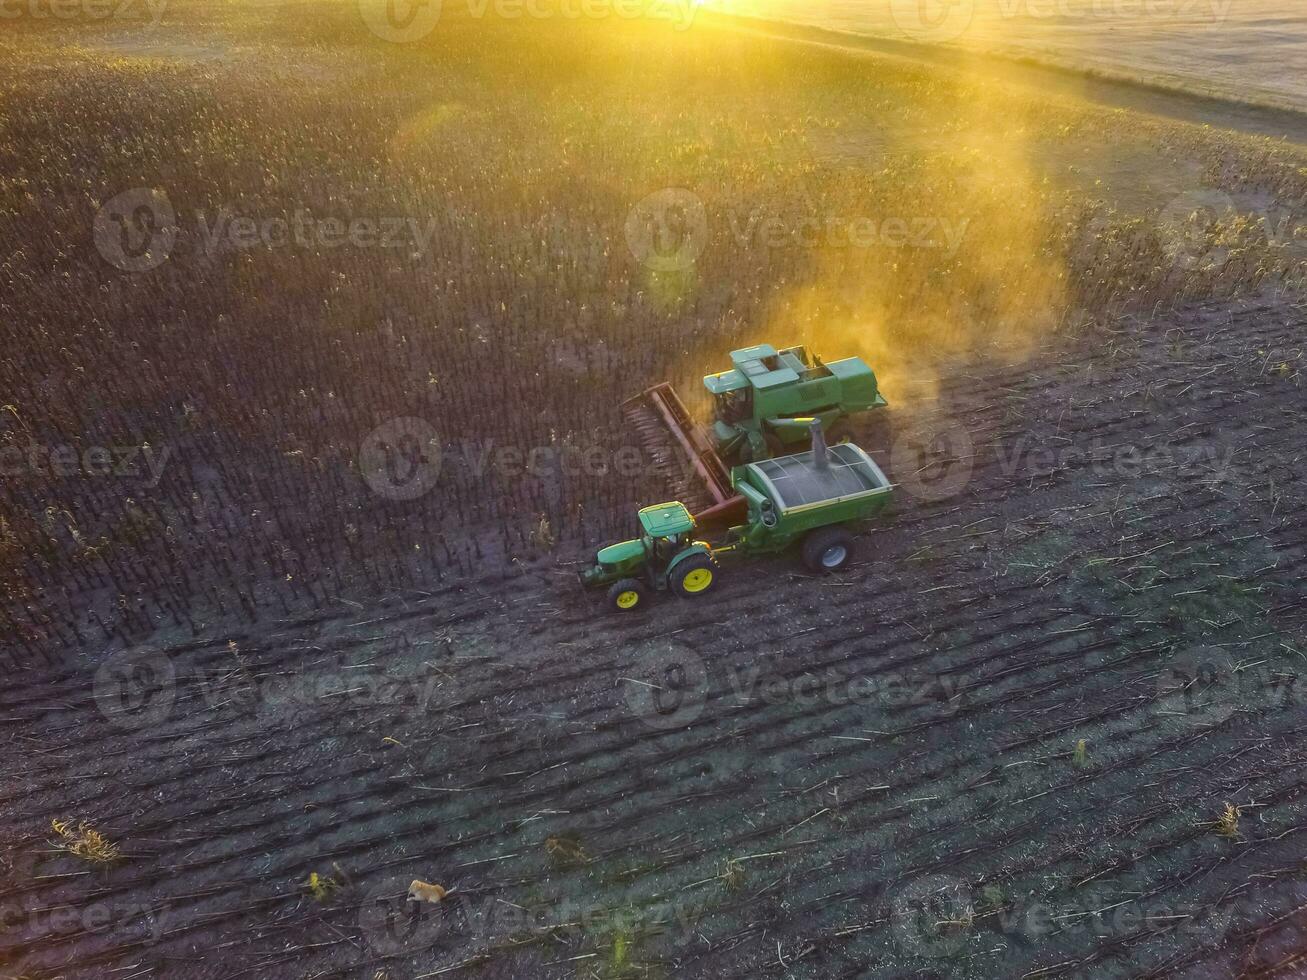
(663,558)
(812,499)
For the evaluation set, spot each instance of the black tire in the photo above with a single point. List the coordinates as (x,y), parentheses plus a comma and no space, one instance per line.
(696,587)
(827,549)
(619,593)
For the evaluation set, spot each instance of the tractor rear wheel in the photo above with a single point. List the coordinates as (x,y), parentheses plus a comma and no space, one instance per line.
(827,549)
(627,595)
(694,577)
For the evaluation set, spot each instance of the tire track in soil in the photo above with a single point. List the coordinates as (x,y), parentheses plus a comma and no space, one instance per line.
(602,749)
(738,598)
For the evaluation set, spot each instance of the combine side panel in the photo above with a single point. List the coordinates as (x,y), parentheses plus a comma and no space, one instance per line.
(670,436)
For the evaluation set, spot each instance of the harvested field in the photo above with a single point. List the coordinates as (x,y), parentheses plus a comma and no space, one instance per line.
(832,763)
(1246,50)
(294,623)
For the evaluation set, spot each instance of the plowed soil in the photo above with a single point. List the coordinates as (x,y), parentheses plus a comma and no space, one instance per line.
(1000,745)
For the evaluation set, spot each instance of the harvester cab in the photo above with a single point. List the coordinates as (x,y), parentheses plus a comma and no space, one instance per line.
(763,404)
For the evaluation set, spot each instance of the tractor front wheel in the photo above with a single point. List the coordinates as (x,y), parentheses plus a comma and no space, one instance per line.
(827,549)
(627,595)
(694,577)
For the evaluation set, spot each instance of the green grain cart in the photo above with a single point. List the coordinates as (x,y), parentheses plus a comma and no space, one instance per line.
(812,499)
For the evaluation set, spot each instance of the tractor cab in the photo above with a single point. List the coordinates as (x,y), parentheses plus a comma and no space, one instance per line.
(667,529)
(665,556)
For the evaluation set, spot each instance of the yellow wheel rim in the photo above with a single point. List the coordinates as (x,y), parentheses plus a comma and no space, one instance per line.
(697,580)
(628,599)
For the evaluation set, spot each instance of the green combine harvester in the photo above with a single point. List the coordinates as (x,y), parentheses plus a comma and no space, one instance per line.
(762,407)
(812,499)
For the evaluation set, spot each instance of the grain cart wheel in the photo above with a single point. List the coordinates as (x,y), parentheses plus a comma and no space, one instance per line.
(827,549)
(694,577)
(627,595)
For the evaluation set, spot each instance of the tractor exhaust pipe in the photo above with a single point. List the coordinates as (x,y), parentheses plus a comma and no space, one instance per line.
(820,451)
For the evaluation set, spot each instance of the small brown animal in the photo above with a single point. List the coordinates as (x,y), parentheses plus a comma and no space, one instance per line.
(420,891)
